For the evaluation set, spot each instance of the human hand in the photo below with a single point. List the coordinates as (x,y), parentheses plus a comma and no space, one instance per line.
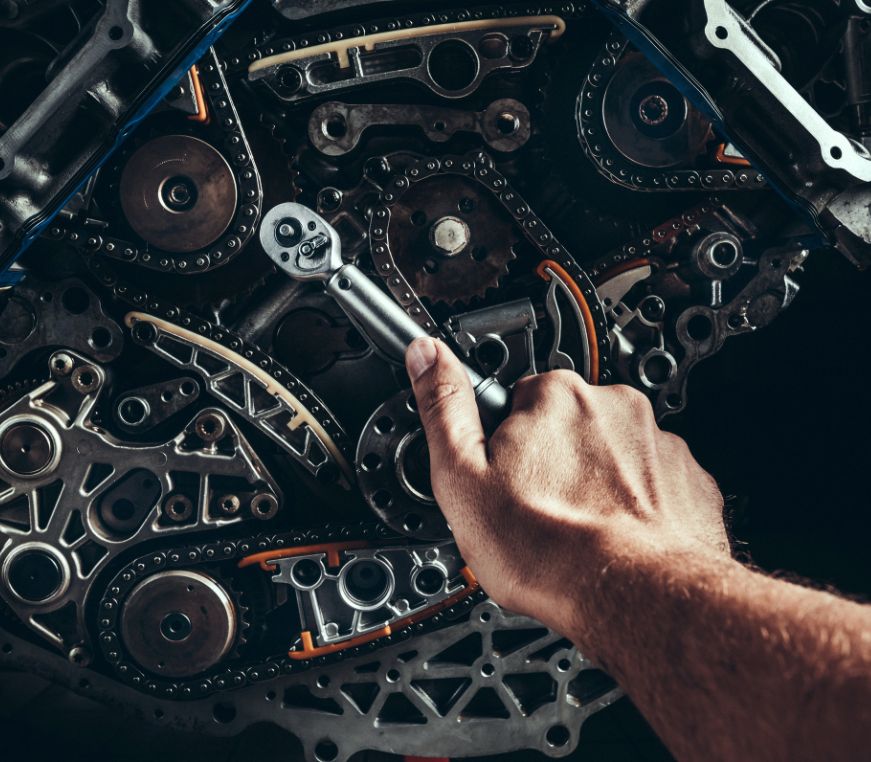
(576,478)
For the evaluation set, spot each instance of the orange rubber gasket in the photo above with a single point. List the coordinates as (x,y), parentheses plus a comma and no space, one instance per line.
(623,267)
(332,549)
(589,323)
(309,650)
(737,161)
(202,114)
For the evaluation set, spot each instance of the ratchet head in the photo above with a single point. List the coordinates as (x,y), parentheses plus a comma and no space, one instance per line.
(301,242)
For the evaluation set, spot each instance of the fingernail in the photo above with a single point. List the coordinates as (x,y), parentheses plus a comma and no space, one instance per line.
(420,357)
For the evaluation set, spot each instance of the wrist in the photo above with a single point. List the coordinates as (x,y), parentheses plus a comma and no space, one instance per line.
(627,576)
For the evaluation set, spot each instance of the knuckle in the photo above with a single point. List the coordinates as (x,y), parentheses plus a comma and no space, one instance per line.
(674,442)
(559,384)
(633,399)
(565,379)
(527,382)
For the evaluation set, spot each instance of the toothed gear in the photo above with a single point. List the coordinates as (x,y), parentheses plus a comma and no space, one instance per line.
(17,389)
(453,240)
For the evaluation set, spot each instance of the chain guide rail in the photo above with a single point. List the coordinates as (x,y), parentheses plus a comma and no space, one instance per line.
(252,392)
(292,404)
(278,47)
(237,551)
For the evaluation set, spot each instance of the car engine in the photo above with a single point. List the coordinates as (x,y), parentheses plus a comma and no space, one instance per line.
(215,507)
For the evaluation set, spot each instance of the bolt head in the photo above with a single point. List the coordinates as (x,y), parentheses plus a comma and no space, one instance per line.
(449,236)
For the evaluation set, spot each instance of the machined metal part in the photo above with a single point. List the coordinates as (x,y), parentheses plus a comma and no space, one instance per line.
(734,294)
(73,497)
(65,313)
(648,120)
(733,76)
(336,128)
(557,358)
(367,693)
(641,132)
(481,168)
(701,330)
(179,623)
(143,408)
(344,595)
(453,241)
(116,71)
(499,339)
(198,235)
(452,60)
(178,193)
(393,470)
(251,393)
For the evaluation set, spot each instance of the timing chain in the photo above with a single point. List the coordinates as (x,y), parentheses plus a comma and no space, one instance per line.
(233,677)
(229,550)
(646,246)
(598,147)
(95,236)
(480,168)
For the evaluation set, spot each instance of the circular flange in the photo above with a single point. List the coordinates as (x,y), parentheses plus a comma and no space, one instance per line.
(393,470)
(178,623)
(648,120)
(178,193)
(35,573)
(29,448)
(506,125)
(366,584)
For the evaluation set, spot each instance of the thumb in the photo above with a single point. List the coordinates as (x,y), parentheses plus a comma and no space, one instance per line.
(446,404)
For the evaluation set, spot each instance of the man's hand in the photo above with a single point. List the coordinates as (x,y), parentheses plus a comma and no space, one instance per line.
(580,512)
(575,477)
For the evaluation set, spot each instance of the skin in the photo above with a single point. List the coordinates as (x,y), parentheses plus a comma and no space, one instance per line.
(581,512)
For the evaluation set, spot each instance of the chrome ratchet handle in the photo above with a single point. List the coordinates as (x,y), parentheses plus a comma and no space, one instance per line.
(304,246)
(390,330)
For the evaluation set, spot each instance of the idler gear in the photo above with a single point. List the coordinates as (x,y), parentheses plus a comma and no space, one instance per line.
(179,623)
(452,240)
(178,193)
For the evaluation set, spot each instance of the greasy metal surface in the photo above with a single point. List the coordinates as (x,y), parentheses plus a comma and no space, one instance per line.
(336,129)
(421,674)
(92,102)
(472,268)
(178,193)
(178,623)
(546,154)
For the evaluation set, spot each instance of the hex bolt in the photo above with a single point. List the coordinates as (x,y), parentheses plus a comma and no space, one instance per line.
(449,236)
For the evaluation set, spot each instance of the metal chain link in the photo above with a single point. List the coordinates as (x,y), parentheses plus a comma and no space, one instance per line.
(229,678)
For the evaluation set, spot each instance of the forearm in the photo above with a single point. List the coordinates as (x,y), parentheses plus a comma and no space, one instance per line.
(729,664)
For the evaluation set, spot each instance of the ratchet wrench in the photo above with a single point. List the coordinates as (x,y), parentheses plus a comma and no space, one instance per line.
(307,248)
